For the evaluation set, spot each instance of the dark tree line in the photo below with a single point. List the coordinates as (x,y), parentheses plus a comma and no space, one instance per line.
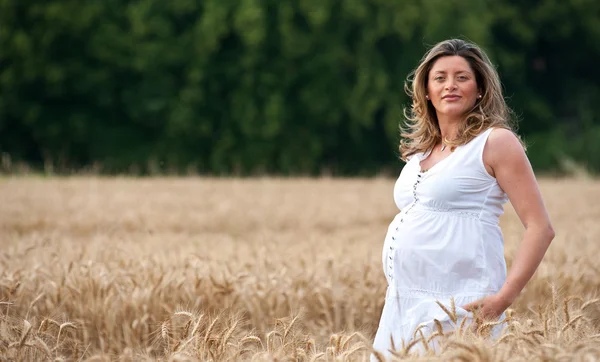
(272,86)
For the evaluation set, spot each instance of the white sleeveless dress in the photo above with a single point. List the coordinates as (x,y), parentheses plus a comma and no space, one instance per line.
(445,242)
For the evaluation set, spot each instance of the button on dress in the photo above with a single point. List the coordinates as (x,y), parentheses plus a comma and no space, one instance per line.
(444,243)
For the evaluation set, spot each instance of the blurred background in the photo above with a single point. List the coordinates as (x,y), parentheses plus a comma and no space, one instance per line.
(283,87)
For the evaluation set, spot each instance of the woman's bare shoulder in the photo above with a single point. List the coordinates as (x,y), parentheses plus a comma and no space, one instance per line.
(502,145)
(503,139)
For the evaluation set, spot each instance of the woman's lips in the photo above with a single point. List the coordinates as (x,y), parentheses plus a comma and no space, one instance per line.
(451,98)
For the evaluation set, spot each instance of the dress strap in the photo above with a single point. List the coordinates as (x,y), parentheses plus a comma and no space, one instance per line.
(474,152)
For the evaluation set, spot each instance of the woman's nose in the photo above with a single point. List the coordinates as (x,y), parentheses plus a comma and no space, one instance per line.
(450,85)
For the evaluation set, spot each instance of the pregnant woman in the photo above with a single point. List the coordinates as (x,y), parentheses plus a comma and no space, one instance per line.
(463,163)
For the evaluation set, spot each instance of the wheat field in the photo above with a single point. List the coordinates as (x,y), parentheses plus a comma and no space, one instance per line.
(263,269)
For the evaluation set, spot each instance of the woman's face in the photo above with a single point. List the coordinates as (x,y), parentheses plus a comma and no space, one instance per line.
(452,88)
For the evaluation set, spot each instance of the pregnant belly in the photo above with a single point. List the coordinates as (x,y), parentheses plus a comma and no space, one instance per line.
(440,253)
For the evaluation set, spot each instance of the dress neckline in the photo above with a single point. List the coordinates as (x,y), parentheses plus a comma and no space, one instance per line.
(424,155)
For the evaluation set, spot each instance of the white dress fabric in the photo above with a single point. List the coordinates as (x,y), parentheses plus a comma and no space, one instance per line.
(444,243)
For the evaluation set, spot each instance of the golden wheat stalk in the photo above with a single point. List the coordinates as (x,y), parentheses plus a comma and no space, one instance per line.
(60,329)
(452,312)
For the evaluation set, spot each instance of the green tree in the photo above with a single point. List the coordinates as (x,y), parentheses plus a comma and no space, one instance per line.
(287,87)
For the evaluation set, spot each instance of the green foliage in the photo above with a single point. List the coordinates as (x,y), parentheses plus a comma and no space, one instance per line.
(287,87)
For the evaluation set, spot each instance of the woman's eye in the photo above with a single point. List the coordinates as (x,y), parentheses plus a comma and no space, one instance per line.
(462,77)
(438,78)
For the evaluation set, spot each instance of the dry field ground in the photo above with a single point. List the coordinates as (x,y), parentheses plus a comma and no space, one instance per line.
(265,269)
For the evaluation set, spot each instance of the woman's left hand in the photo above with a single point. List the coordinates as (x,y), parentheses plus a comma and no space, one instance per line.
(489,308)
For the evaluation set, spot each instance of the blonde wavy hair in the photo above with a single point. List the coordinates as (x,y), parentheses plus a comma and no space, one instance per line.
(422,131)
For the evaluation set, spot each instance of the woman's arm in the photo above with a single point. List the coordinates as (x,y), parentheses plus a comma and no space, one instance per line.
(505,159)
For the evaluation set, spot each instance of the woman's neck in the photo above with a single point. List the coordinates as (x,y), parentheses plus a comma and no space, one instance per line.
(448,128)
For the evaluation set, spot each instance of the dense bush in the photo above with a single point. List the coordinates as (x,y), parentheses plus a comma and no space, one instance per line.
(271,86)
